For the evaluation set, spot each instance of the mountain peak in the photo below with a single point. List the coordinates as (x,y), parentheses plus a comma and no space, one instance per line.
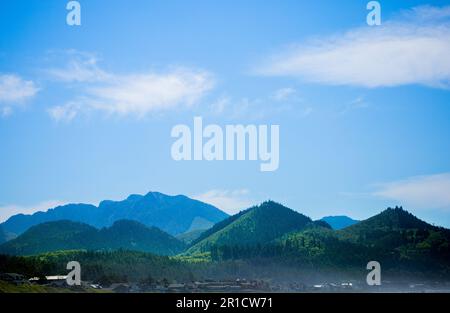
(400,218)
(258,224)
(392,218)
(270,206)
(154,194)
(381,228)
(134,197)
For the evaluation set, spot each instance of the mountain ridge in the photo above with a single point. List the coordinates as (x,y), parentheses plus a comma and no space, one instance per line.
(396,238)
(393,226)
(69,235)
(173,214)
(256,225)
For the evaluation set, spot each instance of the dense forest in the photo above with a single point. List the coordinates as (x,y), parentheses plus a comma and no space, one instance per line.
(68,235)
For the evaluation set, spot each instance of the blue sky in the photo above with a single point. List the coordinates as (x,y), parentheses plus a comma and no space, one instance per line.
(86,111)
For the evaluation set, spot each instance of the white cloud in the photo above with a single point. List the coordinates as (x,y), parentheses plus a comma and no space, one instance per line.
(14,91)
(66,112)
(412,49)
(82,67)
(142,93)
(124,94)
(283,94)
(420,192)
(230,201)
(248,108)
(10,210)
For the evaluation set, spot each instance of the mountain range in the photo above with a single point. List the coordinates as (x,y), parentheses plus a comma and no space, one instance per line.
(268,231)
(172,214)
(394,237)
(69,235)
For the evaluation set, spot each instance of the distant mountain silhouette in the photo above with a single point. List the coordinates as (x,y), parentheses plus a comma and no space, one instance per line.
(173,214)
(68,235)
(339,222)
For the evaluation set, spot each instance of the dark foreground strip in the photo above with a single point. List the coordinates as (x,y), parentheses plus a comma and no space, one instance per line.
(180,302)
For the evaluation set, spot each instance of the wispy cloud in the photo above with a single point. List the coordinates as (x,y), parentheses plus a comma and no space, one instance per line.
(80,68)
(249,108)
(420,192)
(230,201)
(141,93)
(356,104)
(14,90)
(128,94)
(411,49)
(9,210)
(68,111)
(283,94)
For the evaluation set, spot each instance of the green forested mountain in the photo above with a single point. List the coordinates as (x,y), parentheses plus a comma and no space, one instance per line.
(132,235)
(401,237)
(396,238)
(390,229)
(68,235)
(51,236)
(257,225)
